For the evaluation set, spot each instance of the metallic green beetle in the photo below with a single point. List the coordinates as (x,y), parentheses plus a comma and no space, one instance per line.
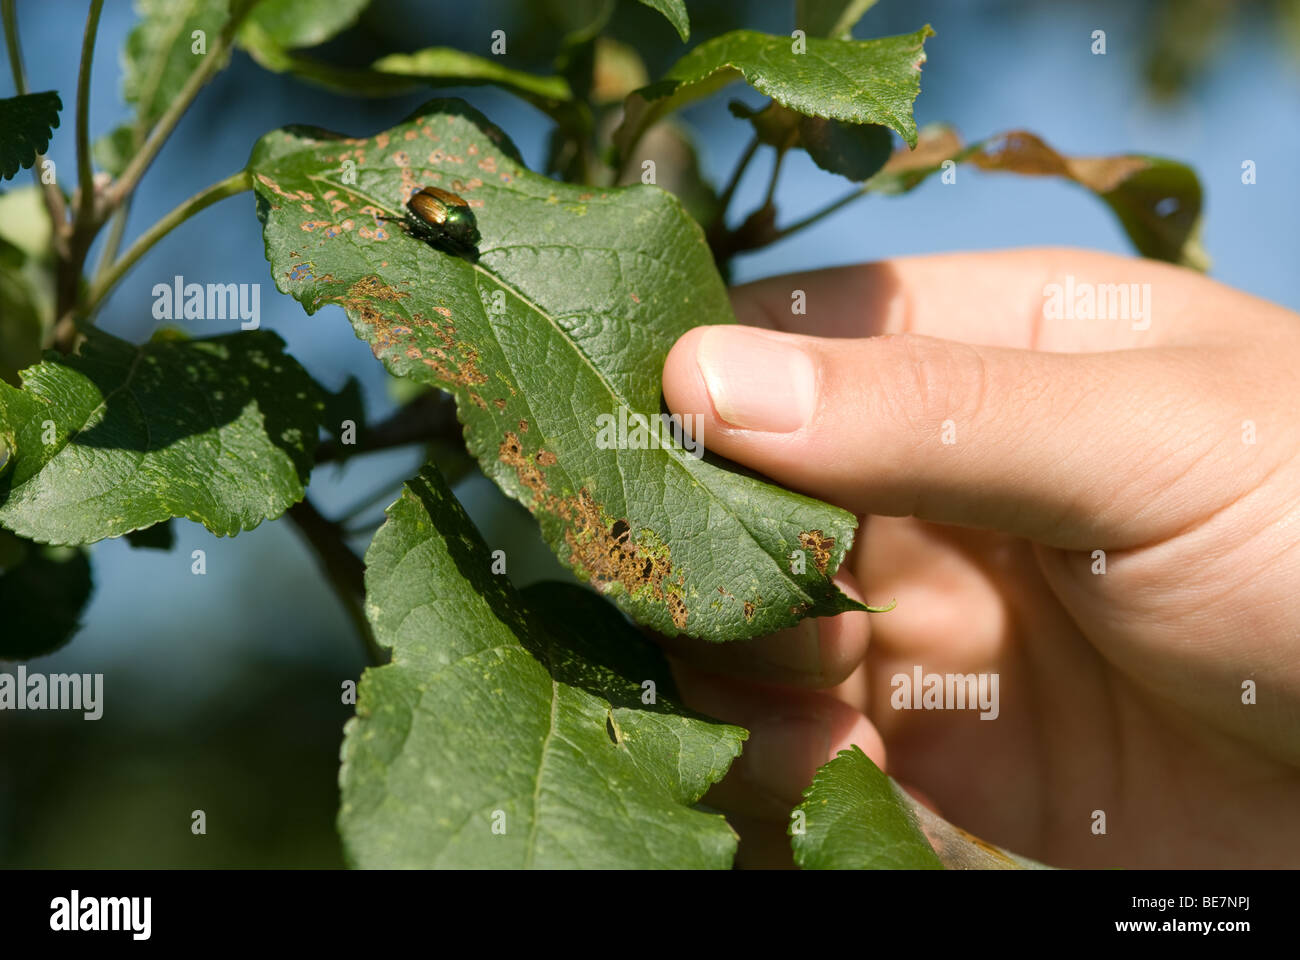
(443,220)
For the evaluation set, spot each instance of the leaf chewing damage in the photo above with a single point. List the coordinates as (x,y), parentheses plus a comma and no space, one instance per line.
(453,362)
(820,546)
(503,334)
(600,551)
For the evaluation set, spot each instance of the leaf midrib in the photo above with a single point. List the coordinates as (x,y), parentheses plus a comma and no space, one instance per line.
(675,455)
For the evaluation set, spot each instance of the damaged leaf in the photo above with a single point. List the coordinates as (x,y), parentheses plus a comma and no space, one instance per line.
(1158,201)
(513,729)
(552,338)
(117,437)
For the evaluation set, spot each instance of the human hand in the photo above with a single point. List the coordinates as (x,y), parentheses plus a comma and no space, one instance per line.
(1175,449)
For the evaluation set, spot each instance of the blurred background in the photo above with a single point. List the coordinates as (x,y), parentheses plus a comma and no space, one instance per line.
(222,692)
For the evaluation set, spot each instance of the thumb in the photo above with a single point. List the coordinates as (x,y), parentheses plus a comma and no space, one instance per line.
(1041,445)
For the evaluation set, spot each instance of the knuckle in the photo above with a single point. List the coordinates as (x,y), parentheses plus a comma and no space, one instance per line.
(925,381)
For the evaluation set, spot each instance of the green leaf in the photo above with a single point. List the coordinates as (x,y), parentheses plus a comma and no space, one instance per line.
(42,593)
(445,66)
(21,324)
(1157,200)
(675,12)
(275,28)
(564,320)
(26,279)
(24,221)
(830,18)
(856,818)
(858,81)
(519,710)
(580,20)
(291,24)
(219,431)
(113,151)
(161,536)
(853,150)
(159,55)
(26,125)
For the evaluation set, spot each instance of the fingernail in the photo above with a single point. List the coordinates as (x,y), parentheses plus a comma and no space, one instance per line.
(756,381)
(784,751)
(796,649)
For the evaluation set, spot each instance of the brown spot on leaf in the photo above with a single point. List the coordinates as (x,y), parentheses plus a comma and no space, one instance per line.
(500,403)
(820,546)
(511,453)
(677,610)
(600,550)
(749,611)
(523,426)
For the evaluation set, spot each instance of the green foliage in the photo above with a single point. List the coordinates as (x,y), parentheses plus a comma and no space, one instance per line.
(26,125)
(446,66)
(42,592)
(830,18)
(500,333)
(26,279)
(858,81)
(856,818)
(675,12)
(521,710)
(160,53)
(524,712)
(118,437)
(853,150)
(290,24)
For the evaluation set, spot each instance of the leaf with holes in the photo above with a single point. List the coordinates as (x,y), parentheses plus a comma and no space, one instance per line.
(119,437)
(513,730)
(552,338)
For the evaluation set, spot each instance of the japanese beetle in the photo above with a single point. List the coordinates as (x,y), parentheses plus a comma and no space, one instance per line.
(443,220)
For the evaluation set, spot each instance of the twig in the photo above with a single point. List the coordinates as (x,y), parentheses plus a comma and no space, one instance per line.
(429,416)
(113,242)
(776,175)
(724,201)
(212,62)
(825,211)
(344,569)
(85,176)
(233,184)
